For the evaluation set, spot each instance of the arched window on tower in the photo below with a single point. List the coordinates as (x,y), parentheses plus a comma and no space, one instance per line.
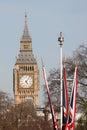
(30,68)
(26,68)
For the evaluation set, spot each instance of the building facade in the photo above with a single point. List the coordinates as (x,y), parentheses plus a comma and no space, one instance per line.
(26,72)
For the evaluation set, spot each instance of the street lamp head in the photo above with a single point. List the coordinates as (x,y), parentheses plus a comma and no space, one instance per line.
(61,39)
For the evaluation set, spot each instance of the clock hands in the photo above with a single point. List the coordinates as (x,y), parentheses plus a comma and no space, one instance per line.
(26,81)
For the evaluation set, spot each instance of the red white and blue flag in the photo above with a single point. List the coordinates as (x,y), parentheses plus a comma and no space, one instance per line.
(72,106)
(65,99)
(55,123)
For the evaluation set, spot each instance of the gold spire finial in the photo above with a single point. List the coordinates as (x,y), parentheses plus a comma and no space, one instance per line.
(25,15)
(61,39)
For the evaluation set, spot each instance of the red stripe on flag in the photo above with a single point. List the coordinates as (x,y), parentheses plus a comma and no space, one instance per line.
(72,106)
(55,124)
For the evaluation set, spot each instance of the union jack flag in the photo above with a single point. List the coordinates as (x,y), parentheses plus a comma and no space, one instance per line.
(65,99)
(55,123)
(72,107)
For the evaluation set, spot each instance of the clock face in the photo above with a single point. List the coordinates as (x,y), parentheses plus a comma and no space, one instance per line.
(26,81)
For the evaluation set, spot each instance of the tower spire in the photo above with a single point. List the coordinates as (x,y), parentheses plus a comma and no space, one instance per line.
(26,36)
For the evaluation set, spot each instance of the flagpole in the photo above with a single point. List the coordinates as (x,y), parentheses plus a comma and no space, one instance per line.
(61,39)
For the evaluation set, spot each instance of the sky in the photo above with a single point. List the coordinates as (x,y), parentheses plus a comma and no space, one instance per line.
(46,19)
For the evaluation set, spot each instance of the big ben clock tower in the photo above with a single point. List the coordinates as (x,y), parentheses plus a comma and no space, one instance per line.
(26,72)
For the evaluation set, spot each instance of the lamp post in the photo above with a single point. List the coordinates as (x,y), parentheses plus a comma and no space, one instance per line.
(61,40)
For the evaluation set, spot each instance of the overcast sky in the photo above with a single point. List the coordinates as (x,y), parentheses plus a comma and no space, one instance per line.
(46,18)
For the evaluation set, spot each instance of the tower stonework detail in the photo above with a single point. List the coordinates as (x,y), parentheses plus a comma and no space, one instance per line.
(26,72)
